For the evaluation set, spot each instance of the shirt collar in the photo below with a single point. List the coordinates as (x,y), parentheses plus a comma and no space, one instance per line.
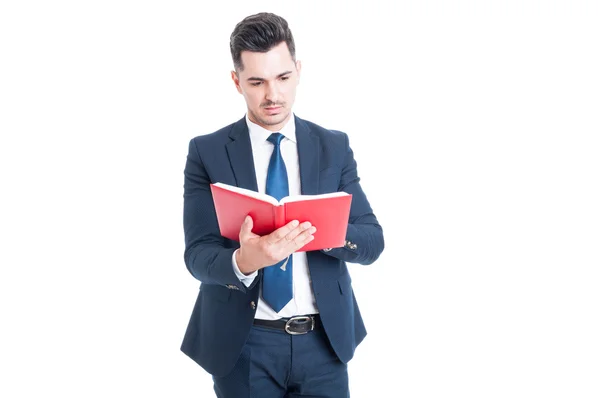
(260,134)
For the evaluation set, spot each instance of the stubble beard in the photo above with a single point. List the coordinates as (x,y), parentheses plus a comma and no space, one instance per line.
(272,120)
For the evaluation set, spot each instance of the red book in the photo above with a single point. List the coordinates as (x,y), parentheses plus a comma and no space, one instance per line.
(328,212)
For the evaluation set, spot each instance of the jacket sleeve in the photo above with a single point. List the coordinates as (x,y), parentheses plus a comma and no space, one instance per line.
(206,256)
(364,236)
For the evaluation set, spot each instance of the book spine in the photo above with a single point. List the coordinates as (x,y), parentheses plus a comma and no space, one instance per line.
(279,216)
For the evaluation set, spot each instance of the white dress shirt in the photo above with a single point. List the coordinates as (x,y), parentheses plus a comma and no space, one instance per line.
(303,301)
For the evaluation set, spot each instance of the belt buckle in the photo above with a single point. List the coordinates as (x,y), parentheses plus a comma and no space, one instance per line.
(299,318)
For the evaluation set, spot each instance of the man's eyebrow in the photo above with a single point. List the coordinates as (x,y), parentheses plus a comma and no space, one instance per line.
(260,79)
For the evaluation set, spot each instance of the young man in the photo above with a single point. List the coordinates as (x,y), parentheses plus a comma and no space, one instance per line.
(270,321)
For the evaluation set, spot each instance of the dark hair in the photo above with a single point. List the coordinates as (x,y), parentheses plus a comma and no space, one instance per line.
(259,33)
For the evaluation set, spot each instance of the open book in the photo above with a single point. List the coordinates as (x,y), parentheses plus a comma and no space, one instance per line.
(328,212)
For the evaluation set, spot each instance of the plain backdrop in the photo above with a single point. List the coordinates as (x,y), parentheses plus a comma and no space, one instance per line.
(475,125)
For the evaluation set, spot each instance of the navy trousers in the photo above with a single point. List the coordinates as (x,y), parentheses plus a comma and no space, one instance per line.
(274,364)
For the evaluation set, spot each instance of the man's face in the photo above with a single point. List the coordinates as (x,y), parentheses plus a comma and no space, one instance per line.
(268,84)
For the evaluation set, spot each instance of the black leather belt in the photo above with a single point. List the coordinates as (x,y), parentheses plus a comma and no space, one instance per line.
(295,325)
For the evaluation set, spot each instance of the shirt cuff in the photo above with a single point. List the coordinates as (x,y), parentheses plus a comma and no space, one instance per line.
(245,279)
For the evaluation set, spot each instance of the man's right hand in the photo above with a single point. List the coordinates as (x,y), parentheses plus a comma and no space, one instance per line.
(257,252)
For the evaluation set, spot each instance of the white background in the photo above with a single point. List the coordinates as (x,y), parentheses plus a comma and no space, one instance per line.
(475,125)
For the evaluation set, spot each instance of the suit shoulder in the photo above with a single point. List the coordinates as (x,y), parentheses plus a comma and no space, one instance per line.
(320,129)
(331,136)
(215,137)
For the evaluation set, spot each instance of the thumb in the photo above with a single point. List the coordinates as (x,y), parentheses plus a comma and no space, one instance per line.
(246,228)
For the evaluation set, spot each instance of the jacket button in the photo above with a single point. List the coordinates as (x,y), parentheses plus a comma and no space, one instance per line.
(253,305)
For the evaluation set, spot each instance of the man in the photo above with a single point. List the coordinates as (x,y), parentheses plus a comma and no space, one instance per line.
(270,321)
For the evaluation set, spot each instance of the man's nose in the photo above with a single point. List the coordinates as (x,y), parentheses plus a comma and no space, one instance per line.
(272,92)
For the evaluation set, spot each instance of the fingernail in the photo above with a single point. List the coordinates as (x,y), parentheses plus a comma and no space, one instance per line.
(313,230)
(295,223)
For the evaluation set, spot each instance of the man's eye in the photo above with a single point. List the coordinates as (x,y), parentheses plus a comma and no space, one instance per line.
(255,84)
(285,77)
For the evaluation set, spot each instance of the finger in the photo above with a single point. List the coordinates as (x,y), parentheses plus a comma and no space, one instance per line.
(297,238)
(293,234)
(303,238)
(280,233)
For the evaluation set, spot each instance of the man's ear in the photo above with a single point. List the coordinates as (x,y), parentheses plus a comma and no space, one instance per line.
(298,68)
(236,81)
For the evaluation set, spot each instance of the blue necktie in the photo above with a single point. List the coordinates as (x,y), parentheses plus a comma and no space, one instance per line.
(277,279)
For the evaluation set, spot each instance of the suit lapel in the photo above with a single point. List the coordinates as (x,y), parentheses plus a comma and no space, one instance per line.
(308,158)
(239,151)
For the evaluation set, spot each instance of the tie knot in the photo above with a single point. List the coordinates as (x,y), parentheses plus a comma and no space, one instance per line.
(275,138)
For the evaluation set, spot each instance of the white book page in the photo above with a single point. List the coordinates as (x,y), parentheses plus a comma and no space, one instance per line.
(248,192)
(272,200)
(296,198)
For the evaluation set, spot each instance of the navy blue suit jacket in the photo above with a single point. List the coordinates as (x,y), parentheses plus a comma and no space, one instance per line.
(224,310)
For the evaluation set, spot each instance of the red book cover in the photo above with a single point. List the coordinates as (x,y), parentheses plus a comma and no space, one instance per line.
(329,213)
